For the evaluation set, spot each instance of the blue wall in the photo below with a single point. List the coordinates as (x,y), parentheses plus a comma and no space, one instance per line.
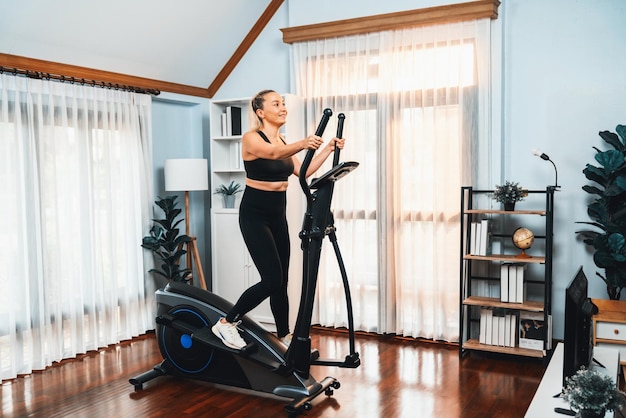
(180,130)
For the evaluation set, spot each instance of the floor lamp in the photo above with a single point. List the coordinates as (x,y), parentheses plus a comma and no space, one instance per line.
(185,175)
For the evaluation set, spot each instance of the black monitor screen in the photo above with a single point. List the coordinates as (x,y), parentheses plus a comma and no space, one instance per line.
(577,339)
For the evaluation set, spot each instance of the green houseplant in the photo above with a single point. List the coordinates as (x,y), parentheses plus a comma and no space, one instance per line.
(166,243)
(608,211)
(592,394)
(509,193)
(228,192)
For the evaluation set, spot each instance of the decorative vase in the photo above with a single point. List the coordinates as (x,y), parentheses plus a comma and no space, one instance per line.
(509,205)
(229,201)
(588,413)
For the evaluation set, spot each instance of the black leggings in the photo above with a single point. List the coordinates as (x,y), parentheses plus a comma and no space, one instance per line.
(263,223)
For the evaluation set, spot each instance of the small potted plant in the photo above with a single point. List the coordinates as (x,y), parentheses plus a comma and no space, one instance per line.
(592,394)
(228,193)
(509,193)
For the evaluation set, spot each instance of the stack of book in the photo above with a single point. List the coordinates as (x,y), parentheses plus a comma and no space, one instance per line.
(512,286)
(231,121)
(498,326)
(480,243)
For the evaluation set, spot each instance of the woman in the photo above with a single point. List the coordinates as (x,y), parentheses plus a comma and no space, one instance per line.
(268,161)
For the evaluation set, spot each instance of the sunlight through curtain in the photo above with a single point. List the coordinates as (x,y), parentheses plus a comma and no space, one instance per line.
(76,179)
(417,114)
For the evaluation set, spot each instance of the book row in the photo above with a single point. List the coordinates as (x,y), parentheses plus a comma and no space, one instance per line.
(512,285)
(480,239)
(231,121)
(506,328)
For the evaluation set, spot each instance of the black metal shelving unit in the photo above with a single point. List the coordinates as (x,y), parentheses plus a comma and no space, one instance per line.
(503,225)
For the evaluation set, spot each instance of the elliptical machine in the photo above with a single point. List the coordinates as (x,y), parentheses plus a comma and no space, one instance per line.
(185,315)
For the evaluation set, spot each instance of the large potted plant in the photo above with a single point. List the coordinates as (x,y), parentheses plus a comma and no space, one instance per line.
(166,243)
(608,211)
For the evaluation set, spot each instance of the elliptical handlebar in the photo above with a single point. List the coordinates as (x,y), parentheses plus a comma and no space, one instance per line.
(309,156)
(340,118)
(319,223)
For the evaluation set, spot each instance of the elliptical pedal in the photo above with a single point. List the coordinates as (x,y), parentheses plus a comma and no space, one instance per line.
(206,336)
(203,335)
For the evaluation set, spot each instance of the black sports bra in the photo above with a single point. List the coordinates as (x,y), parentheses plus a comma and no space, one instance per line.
(263,169)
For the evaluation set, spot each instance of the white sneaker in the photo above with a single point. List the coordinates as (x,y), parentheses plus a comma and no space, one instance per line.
(286,340)
(229,334)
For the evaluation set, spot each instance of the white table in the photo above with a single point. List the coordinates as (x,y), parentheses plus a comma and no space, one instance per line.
(544,402)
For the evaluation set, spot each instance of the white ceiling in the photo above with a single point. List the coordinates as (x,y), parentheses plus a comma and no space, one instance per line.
(186,42)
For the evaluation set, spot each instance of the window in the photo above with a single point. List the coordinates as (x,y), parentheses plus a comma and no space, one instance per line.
(414,113)
(77,201)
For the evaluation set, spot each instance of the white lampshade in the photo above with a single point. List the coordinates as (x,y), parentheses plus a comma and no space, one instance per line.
(186,174)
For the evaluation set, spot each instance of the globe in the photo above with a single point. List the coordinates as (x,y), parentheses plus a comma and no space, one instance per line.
(523,238)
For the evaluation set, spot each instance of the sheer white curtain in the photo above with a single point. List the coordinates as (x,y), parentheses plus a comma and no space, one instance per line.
(76,186)
(417,113)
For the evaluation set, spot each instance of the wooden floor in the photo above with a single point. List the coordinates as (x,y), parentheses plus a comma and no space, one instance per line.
(397,378)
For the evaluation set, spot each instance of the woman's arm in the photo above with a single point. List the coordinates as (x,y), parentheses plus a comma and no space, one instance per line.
(319,159)
(253,146)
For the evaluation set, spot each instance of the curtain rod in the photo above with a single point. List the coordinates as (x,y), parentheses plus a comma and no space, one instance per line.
(83,81)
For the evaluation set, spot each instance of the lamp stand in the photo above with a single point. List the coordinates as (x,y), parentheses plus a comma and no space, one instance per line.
(192,249)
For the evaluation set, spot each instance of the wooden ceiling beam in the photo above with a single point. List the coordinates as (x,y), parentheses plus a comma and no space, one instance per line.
(391,21)
(247,42)
(68,71)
